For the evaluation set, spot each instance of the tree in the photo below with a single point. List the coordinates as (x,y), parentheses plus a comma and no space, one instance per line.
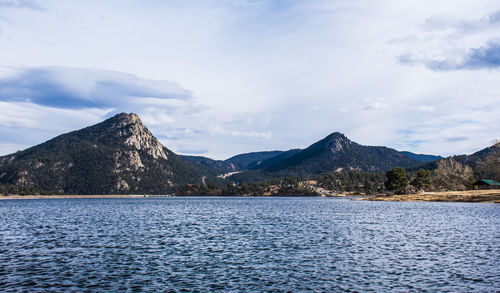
(396,180)
(450,174)
(423,179)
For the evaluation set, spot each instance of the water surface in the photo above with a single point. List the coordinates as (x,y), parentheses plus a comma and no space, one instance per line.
(248,244)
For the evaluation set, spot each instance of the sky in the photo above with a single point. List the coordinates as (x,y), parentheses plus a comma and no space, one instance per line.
(218,78)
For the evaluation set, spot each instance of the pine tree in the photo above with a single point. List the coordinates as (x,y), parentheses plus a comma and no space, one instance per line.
(396,180)
(423,179)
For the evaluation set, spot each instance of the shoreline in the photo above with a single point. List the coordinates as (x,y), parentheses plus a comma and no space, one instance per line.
(5,197)
(72,196)
(473,196)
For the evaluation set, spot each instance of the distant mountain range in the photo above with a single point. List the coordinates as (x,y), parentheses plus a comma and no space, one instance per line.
(120,155)
(237,163)
(333,153)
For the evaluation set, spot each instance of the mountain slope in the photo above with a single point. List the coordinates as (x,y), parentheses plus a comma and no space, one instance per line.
(256,165)
(485,163)
(422,157)
(210,166)
(334,153)
(242,161)
(239,162)
(459,172)
(119,155)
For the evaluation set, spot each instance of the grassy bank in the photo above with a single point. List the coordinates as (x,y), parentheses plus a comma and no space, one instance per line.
(489,196)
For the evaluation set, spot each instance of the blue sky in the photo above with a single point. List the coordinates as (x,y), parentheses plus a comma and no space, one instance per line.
(217,78)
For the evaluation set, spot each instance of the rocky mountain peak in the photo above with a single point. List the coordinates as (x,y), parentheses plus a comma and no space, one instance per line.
(130,128)
(336,142)
(118,155)
(123,119)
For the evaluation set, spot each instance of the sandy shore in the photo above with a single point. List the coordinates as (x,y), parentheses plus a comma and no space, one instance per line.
(488,196)
(70,196)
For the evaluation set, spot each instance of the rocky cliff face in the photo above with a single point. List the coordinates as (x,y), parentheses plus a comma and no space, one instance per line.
(119,155)
(130,127)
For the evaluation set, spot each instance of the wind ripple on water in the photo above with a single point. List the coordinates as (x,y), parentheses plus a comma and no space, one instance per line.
(247,244)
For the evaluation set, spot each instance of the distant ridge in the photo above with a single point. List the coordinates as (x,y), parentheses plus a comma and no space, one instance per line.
(484,163)
(243,161)
(210,166)
(239,162)
(337,152)
(273,160)
(422,157)
(333,153)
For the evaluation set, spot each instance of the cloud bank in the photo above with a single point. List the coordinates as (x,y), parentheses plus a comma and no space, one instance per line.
(29,4)
(77,88)
(451,37)
(487,57)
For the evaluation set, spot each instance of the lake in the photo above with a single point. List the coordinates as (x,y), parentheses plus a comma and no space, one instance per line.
(248,244)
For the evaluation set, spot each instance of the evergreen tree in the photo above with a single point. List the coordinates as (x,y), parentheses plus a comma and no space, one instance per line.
(396,180)
(423,179)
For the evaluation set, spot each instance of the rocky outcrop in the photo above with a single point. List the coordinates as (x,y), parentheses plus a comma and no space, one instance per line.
(130,127)
(451,175)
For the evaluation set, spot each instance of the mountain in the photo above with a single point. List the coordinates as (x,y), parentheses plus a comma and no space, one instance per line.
(484,163)
(210,166)
(256,165)
(485,156)
(243,161)
(422,157)
(333,153)
(239,162)
(119,155)
(459,172)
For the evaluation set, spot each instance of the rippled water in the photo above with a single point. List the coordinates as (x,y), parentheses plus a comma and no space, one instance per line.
(247,244)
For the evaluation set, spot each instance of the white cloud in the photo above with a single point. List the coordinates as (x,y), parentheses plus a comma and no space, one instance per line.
(252,134)
(456,42)
(426,108)
(78,88)
(377,106)
(19,4)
